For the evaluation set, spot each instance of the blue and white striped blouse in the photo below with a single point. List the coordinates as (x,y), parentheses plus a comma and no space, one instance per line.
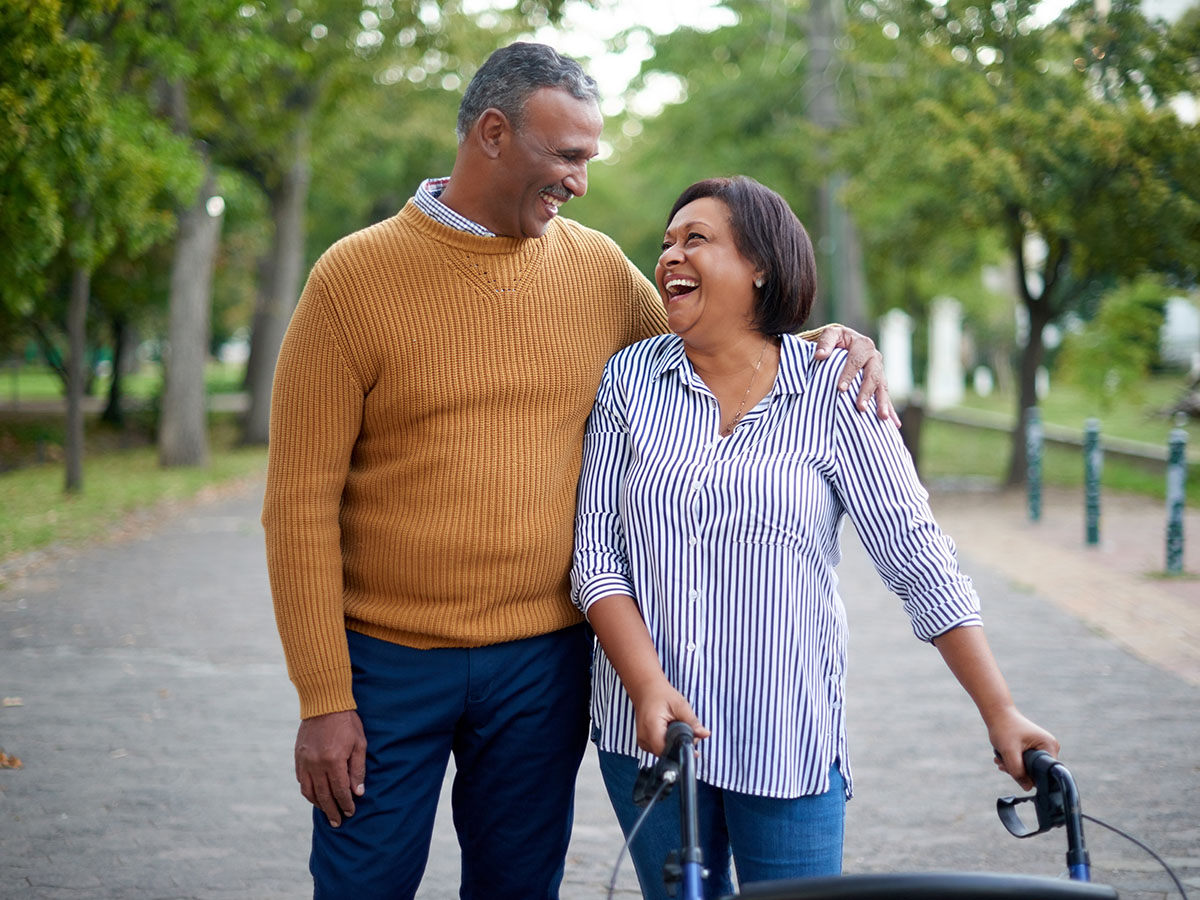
(728,545)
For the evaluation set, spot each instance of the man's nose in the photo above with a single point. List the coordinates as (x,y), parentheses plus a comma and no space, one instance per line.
(576,182)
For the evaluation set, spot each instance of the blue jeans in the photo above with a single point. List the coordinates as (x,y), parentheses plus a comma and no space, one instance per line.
(515,717)
(768,838)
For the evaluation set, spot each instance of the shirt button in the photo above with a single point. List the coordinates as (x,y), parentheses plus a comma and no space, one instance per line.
(696,485)
(694,595)
(691,646)
(692,540)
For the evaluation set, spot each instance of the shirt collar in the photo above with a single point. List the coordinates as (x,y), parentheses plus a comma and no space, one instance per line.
(795,355)
(426,199)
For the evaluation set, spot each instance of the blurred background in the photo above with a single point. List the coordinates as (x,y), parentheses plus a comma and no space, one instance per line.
(1005,195)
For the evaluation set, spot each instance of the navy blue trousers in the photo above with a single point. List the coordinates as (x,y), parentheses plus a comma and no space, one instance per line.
(515,717)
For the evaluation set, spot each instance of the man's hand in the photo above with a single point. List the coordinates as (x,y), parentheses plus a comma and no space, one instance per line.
(331,763)
(861,356)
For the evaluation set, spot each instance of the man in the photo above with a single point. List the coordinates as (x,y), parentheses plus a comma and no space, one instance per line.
(426,434)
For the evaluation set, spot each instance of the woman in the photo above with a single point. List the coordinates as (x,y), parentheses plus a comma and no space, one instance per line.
(718,464)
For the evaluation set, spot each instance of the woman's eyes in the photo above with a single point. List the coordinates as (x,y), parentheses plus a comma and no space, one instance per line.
(692,236)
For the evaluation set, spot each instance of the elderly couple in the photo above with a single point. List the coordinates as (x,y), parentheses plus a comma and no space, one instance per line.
(486,422)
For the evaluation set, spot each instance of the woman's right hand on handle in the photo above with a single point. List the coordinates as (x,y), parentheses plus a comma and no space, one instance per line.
(657,706)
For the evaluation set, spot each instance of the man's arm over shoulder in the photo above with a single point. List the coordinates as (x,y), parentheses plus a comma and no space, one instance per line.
(861,356)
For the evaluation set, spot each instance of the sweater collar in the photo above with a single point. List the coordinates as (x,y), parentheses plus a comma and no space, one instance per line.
(412,216)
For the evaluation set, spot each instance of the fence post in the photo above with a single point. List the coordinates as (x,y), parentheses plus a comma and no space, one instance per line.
(1033,462)
(1093,463)
(1176,492)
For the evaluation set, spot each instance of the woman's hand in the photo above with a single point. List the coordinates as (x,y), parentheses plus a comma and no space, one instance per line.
(966,652)
(656,706)
(1011,735)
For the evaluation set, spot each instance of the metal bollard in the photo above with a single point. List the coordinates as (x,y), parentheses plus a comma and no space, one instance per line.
(1176,492)
(1033,462)
(1093,464)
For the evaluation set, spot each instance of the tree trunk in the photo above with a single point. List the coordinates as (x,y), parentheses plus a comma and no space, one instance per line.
(843,297)
(1042,310)
(281,289)
(114,413)
(183,427)
(1031,359)
(77,305)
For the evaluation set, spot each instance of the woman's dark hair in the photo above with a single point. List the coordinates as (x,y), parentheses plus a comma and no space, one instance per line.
(770,236)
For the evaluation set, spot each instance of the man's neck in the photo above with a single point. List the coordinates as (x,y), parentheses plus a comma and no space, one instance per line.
(462,195)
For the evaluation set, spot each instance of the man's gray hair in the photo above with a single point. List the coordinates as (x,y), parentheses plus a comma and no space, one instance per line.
(511,74)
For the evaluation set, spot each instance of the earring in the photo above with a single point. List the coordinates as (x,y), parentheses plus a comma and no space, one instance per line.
(758,282)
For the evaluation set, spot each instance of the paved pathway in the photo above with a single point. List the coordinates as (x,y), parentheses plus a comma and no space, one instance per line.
(146,696)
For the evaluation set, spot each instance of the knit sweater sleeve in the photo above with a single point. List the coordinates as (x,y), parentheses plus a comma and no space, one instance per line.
(316,410)
(652,315)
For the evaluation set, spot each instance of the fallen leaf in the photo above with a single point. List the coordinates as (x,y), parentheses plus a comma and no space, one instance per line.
(9,762)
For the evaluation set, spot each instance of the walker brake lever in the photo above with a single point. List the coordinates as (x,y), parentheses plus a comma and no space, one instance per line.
(1048,801)
(666,770)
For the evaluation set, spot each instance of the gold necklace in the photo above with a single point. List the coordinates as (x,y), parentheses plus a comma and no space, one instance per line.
(737,416)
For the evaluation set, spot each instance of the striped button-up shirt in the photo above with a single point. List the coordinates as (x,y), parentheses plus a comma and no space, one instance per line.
(728,545)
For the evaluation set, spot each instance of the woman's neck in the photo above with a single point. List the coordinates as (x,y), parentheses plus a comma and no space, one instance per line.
(729,357)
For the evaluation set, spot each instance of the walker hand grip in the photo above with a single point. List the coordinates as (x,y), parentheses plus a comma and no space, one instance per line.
(679,736)
(1048,776)
(651,778)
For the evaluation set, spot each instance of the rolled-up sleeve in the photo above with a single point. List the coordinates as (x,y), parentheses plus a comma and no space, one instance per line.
(878,485)
(601,562)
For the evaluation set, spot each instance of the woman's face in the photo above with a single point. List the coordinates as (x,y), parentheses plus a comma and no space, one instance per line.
(702,277)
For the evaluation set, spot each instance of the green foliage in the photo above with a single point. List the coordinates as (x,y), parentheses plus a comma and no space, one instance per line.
(995,124)
(51,122)
(1113,353)
(94,175)
(744,114)
(1059,136)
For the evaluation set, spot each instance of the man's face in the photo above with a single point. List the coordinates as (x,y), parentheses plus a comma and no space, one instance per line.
(544,162)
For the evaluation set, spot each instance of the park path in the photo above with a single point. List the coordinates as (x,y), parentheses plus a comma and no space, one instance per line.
(146,696)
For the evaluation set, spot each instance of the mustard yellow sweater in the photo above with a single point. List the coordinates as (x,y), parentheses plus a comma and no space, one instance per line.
(426,433)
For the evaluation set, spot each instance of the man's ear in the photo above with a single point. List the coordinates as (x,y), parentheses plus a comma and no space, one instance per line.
(493,128)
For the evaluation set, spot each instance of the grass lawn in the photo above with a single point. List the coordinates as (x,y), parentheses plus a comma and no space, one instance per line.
(1135,416)
(31,383)
(117,481)
(955,452)
(951,451)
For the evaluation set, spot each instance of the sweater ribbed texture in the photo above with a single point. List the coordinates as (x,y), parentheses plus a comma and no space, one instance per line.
(426,431)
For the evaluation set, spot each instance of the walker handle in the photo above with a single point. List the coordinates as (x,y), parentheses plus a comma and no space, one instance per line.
(1057,803)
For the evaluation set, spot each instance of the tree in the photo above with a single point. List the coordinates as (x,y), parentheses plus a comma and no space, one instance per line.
(1115,350)
(324,58)
(96,167)
(989,123)
(742,111)
(49,86)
